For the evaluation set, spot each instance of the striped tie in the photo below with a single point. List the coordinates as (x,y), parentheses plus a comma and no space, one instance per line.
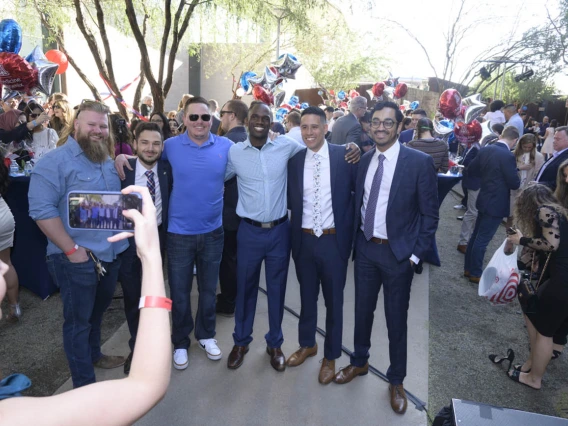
(369,225)
(151,185)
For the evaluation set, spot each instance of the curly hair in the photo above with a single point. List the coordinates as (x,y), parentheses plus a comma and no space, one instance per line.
(527,204)
(561,192)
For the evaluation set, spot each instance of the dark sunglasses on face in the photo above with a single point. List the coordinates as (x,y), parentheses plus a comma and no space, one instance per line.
(195,117)
(34,115)
(225,112)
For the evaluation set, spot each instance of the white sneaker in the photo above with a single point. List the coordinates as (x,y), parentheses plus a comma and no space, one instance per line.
(180,359)
(210,346)
(459,207)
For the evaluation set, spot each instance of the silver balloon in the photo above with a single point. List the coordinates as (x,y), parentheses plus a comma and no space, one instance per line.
(287,65)
(279,98)
(9,95)
(474,107)
(443,127)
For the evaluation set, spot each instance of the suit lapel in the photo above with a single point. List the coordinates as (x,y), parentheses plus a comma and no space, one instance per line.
(360,188)
(398,174)
(334,159)
(162,178)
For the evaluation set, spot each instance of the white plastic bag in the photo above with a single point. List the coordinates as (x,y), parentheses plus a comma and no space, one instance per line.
(500,278)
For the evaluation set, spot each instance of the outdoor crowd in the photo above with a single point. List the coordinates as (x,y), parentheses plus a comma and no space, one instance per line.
(226,190)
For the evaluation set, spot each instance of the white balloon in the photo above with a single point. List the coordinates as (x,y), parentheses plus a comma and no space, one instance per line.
(240,92)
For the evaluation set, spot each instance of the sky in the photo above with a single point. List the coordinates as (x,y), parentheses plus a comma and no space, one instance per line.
(488,23)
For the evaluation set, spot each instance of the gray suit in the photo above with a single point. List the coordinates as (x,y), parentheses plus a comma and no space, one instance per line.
(346,129)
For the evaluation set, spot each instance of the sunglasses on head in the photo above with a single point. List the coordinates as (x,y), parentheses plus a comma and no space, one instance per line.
(195,117)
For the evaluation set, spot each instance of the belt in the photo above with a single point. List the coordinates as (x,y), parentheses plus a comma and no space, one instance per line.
(266,225)
(330,231)
(379,241)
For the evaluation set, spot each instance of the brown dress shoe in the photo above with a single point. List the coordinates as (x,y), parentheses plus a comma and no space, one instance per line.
(474,280)
(348,373)
(109,361)
(277,358)
(466,274)
(398,398)
(237,356)
(462,249)
(300,355)
(327,371)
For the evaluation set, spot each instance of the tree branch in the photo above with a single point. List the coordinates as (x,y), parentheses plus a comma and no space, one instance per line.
(165,36)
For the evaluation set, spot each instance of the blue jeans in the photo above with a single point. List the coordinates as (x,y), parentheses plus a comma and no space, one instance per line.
(205,251)
(85,299)
(484,231)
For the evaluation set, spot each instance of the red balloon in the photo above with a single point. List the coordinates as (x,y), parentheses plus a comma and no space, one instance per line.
(343,105)
(332,92)
(286,106)
(378,89)
(400,90)
(59,58)
(353,94)
(467,134)
(259,93)
(450,103)
(16,73)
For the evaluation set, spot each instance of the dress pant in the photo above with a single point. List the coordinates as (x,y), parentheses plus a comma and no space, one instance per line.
(255,245)
(228,270)
(318,262)
(469,217)
(485,228)
(376,267)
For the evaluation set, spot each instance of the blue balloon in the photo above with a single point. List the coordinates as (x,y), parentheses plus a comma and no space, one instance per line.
(414,105)
(280,114)
(305,105)
(341,95)
(447,123)
(294,100)
(10,36)
(36,54)
(525,108)
(245,80)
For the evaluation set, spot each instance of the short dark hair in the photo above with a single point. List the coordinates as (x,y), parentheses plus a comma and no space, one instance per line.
(511,107)
(419,111)
(496,105)
(239,108)
(148,126)
(388,104)
(366,117)
(497,128)
(315,111)
(260,103)
(329,109)
(554,122)
(510,132)
(294,117)
(195,100)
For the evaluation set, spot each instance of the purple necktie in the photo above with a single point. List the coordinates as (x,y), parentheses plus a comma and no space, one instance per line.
(369,225)
(151,184)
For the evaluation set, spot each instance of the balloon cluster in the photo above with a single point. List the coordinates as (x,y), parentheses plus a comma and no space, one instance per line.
(27,75)
(390,86)
(293,103)
(268,86)
(460,116)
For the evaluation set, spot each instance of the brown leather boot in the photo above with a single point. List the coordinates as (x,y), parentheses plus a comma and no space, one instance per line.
(327,371)
(301,354)
(398,398)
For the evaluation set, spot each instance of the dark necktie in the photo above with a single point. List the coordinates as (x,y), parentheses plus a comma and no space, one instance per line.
(151,185)
(369,225)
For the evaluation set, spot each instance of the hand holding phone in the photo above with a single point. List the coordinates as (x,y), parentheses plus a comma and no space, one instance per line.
(511,231)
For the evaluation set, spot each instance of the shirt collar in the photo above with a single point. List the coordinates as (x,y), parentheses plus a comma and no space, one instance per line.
(187,140)
(141,170)
(268,141)
(504,143)
(324,152)
(74,146)
(390,153)
(556,153)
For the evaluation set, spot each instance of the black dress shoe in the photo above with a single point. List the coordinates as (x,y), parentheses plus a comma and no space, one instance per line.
(127,364)
(237,356)
(277,358)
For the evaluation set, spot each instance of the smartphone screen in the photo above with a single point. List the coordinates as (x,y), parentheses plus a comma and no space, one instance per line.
(97,210)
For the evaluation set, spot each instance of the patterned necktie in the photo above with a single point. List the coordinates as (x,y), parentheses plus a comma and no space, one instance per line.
(369,225)
(316,206)
(151,185)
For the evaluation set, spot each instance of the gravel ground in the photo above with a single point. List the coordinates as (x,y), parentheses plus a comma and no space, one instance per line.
(465,329)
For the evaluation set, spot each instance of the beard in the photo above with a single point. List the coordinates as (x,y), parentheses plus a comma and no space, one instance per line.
(96,151)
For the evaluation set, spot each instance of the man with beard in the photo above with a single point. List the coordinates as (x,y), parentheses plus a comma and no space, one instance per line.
(260,165)
(150,171)
(82,164)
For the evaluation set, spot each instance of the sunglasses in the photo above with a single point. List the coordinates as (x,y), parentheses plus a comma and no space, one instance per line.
(195,117)
(225,112)
(34,115)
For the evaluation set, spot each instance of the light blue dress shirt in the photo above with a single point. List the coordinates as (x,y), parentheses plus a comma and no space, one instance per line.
(262,177)
(68,169)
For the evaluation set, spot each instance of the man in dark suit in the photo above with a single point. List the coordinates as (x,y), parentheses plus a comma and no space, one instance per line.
(348,129)
(320,186)
(147,170)
(396,208)
(496,166)
(549,170)
(233,116)
(407,135)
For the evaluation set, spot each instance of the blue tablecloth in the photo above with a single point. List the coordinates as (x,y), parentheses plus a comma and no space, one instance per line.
(28,253)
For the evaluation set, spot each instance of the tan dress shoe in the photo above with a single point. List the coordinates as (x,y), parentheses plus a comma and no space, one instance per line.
(474,280)
(327,371)
(110,361)
(398,398)
(348,373)
(462,249)
(300,355)
(277,358)
(237,356)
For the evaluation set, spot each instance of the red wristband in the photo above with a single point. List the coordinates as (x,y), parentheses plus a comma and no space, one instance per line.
(155,302)
(73,250)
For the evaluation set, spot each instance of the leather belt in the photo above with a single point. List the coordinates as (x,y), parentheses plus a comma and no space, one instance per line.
(266,225)
(330,231)
(379,241)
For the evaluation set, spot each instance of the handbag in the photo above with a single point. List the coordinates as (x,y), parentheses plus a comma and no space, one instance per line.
(527,293)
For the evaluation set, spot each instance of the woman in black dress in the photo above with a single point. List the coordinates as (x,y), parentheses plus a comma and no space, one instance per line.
(539,215)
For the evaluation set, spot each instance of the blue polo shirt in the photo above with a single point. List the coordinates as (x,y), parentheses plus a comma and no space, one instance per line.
(196,202)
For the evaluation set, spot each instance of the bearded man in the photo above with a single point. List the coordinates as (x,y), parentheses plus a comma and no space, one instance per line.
(82,164)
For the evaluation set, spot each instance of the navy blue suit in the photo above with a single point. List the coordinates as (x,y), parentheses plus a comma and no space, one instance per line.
(130,274)
(406,136)
(411,221)
(324,259)
(550,170)
(496,166)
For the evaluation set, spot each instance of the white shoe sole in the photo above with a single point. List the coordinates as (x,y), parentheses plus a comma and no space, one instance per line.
(211,356)
(181,366)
